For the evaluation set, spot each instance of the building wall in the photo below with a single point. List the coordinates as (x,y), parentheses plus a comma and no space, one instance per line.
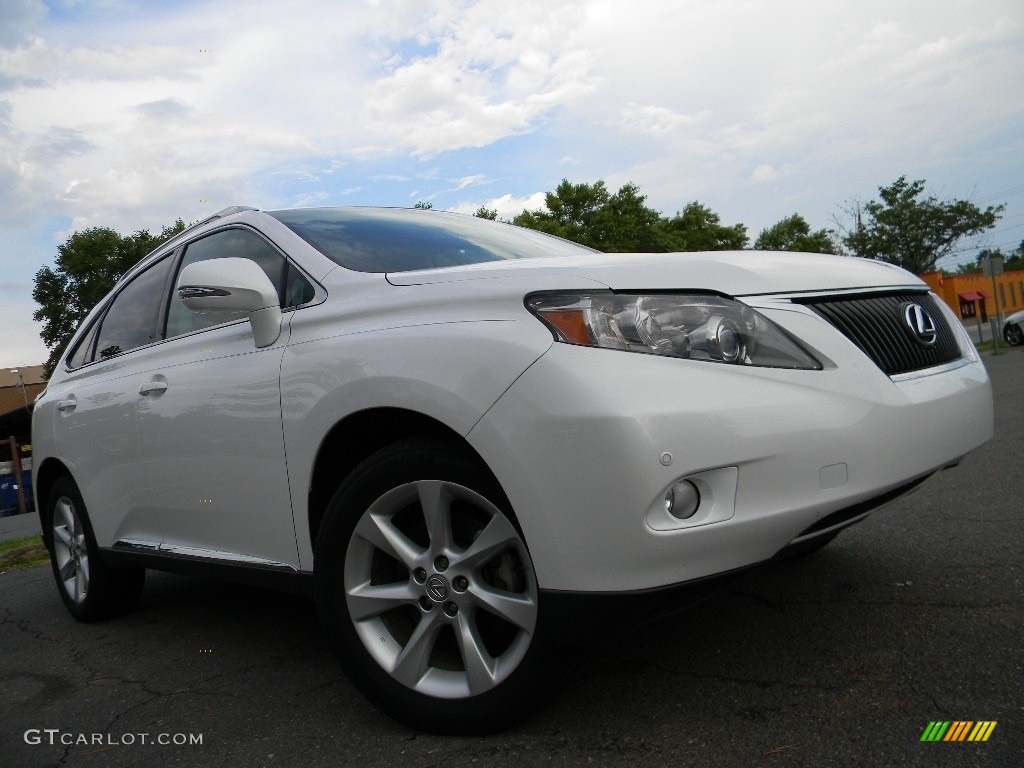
(10,387)
(1010,286)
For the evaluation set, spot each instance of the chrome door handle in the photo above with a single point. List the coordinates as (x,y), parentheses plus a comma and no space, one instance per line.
(153,386)
(66,405)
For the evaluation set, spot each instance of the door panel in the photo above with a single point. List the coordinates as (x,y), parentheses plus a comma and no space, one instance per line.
(95,429)
(211,445)
(94,424)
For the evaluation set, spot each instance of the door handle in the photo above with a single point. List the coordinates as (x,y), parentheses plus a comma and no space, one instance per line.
(151,387)
(66,406)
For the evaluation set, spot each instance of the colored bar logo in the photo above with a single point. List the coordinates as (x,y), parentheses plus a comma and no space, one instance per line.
(958,730)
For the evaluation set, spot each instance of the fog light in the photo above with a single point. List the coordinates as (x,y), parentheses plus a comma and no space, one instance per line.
(682,500)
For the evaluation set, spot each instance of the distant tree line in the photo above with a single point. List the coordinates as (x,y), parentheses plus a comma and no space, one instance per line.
(902,227)
(1012,260)
(622,222)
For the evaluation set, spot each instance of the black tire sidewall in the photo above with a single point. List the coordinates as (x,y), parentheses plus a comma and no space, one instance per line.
(535,679)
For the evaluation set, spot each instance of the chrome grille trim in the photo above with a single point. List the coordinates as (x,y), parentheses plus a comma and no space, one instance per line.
(874,322)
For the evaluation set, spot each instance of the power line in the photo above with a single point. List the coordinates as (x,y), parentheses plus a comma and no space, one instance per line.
(1005,192)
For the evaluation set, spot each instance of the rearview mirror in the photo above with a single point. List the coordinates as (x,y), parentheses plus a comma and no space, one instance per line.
(233,285)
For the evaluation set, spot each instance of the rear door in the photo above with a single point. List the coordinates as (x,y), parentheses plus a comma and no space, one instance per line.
(94,424)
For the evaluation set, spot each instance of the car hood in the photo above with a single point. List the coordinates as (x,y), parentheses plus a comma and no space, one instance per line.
(735,273)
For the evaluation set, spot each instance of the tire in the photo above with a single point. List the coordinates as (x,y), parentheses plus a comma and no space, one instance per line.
(428,596)
(91,590)
(1013,334)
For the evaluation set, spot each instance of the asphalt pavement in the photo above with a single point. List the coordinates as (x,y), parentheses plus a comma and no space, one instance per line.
(840,659)
(19,526)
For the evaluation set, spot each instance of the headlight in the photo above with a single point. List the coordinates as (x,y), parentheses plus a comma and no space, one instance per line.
(690,326)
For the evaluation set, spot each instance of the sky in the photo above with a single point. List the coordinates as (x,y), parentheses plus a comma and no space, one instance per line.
(131,115)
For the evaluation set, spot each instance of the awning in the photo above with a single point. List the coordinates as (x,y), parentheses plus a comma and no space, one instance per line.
(972,296)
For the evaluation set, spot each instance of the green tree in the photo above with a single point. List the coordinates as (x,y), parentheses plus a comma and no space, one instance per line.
(423,205)
(591,215)
(571,212)
(1015,259)
(912,231)
(793,233)
(1012,260)
(969,267)
(625,224)
(698,228)
(88,265)
(483,212)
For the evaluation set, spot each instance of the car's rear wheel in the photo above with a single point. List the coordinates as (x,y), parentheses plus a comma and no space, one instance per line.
(91,590)
(1013,334)
(427,592)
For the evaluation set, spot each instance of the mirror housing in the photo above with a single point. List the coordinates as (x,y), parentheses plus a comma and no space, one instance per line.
(233,285)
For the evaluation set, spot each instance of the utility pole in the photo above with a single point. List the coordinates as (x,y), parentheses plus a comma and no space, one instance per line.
(991,267)
(21,385)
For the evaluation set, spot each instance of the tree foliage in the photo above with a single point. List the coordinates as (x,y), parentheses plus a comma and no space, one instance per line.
(622,222)
(905,228)
(88,265)
(698,228)
(793,233)
(1012,260)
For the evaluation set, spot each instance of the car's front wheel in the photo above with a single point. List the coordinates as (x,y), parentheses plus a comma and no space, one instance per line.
(91,590)
(1013,334)
(427,592)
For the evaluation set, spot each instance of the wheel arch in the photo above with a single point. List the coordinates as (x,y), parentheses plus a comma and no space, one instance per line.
(358,436)
(43,479)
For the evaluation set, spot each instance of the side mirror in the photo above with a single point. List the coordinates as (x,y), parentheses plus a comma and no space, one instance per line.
(233,285)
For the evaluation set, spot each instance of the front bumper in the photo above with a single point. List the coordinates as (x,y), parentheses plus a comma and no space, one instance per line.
(587,442)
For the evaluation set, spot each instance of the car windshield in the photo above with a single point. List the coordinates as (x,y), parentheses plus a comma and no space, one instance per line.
(402,240)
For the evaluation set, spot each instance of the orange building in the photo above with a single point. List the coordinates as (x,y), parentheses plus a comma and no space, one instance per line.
(971,295)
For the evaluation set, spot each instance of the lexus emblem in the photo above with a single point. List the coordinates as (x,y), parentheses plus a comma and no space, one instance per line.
(920,324)
(437,588)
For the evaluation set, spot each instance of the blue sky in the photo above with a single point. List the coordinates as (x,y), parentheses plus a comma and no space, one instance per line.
(131,115)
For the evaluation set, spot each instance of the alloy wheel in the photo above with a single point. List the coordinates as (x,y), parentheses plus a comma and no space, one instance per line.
(440,589)
(70,550)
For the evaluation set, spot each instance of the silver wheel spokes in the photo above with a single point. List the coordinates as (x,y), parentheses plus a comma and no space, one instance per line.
(440,588)
(70,551)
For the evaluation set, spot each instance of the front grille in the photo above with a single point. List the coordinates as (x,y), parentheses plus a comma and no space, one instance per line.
(877,325)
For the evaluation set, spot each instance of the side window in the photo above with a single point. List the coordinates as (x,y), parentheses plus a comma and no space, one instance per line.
(84,352)
(238,243)
(131,320)
(298,290)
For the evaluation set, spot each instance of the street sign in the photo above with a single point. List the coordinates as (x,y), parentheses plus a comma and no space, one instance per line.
(992,266)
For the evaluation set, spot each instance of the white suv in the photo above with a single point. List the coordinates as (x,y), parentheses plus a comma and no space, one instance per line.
(478,445)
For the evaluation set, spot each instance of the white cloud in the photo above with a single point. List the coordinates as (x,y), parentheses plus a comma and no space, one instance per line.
(494,70)
(764,172)
(507,206)
(470,181)
(757,109)
(18,20)
(656,121)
